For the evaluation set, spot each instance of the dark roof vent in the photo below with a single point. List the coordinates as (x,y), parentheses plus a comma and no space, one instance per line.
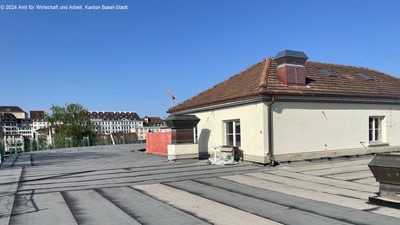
(291,57)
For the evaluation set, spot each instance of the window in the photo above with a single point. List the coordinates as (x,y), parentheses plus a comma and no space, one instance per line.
(365,76)
(376,128)
(327,72)
(232,130)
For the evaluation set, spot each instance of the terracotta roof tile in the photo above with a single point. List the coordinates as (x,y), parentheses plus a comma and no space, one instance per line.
(261,79)
(37,115)
(114,115)
(241,85)
(153,121)
(10,109)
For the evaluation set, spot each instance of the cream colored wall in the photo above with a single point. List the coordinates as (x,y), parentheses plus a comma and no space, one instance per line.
(253,129)
(307,127)
(298,128)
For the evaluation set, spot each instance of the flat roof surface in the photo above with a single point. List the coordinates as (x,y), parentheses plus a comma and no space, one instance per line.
(105,185)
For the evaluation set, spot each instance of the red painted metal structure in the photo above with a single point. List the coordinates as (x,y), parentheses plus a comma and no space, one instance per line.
(157,143)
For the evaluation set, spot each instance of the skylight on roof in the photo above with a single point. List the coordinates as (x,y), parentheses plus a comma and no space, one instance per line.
(365,76)
(327,72)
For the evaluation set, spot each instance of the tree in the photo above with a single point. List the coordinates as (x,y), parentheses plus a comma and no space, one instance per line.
(70,123)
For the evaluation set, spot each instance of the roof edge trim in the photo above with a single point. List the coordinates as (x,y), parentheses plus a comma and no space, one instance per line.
(289,98)
(259,98)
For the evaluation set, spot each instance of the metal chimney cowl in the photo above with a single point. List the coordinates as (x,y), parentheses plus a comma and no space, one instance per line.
(386,169)
(291,70)
(182,128)
(181,121)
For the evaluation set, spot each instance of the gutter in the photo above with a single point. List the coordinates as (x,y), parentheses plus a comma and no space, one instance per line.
(288,97)
(270,133)
(247,100)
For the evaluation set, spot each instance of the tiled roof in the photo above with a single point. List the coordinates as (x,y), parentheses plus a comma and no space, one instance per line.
(114,115)
(10,109)
(8,117)
(37,115)
(152,120)
(261,79)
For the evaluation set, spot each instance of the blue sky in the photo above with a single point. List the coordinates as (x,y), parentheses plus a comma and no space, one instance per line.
(125,60)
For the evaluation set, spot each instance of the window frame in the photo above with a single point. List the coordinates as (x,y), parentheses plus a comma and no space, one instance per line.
(231,134)
(376,129)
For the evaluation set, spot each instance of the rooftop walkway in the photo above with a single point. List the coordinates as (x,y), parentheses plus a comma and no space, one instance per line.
(123,186)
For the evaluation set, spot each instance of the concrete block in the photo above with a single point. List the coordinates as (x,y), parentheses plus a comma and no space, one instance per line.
(183,151)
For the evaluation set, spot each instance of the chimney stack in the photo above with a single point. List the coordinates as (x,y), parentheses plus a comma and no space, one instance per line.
(291,70)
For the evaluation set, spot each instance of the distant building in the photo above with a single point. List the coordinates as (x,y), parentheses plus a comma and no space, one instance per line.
(150,125)
(115,122)
(9,124)
(15,110)
(14,121)
(15,127)
(124,122)
(142,131)
(38,119)
(149,121)
(40,127)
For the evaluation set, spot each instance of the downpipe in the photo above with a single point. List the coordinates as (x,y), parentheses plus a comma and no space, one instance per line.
(270,135)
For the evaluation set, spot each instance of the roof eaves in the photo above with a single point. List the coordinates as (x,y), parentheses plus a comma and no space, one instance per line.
(222,104)
(339,96)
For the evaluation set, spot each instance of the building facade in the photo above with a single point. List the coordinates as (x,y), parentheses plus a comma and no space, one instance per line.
(142,131)
(286,108)
(115,122)
(108,123)
(15,128)
(151,124)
